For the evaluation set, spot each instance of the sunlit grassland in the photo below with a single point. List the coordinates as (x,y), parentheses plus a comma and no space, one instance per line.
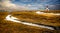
(11,27)
(31,17)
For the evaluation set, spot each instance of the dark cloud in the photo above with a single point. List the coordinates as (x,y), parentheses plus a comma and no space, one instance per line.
(54,7)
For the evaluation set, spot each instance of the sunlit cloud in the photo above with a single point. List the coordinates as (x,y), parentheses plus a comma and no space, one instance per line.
(8,4)
(28,4)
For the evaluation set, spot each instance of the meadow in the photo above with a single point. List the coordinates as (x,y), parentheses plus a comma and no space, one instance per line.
(31,17)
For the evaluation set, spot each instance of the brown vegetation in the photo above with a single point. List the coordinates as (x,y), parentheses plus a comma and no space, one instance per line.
(31,17)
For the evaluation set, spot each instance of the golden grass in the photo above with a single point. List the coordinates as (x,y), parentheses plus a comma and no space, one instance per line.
(28,16)
(32,17)
(11,27)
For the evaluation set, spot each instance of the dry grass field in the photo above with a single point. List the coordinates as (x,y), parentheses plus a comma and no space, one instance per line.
(31,17)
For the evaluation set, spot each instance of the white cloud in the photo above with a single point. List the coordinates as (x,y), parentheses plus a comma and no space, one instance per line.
(29,5)
(35,7)
(8,5)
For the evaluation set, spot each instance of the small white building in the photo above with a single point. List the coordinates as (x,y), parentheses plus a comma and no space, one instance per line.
(47,9)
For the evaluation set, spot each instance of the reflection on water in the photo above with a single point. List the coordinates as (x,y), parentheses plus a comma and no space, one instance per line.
(38,12)
(13,19)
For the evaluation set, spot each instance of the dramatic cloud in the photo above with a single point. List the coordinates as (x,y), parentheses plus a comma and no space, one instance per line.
(8,5)
(29,4)
(54,7)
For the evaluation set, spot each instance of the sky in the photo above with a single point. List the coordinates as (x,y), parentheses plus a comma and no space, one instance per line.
(29,4)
